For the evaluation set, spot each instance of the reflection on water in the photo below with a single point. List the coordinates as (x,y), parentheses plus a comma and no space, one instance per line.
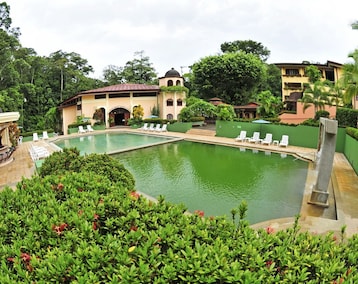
(216,179)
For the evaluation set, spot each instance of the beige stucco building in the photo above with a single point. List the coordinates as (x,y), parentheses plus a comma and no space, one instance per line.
(294,77)
(118,101)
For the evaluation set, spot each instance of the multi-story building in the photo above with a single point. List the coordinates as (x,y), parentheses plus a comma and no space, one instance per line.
(116,103)
(294,77)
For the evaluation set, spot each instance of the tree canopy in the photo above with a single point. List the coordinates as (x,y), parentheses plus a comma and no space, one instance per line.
(233,77)
(139,70)
(248,46)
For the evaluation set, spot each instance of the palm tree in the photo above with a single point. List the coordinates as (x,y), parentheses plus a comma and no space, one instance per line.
(316,94)
(350,78)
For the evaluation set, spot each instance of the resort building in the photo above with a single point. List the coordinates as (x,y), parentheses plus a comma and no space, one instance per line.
(116,103)
(294,78)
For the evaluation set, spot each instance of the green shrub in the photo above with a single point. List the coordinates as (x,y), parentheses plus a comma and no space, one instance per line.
(353,132)
(197,119)
(83,228)
(70,160)
(347,117)
(321,113)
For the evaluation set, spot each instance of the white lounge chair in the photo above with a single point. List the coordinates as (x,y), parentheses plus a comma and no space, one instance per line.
(81,130)
(35,137)
(242,136)
(151,127)
(255,138)
(164,128)
(144,127)
(38,152)
(89,128)
(267,140)
(284,141)
(157,128)
(44,135)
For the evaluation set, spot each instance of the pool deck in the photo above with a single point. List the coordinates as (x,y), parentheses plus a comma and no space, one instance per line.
(343,209)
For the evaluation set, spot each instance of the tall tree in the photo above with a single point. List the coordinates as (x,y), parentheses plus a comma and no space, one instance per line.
(350,78)
(113,75)
(270,105)
(248,46)
(139,70)
(313,73)
(233,77)
(316,94)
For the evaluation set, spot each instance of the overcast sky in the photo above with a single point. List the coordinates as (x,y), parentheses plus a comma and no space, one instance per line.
(180,33)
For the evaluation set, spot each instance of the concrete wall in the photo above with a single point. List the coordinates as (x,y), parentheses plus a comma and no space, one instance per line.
(300,115)
(300,135)
(350,151)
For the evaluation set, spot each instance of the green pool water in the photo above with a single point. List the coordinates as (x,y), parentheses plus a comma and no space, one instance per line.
(207,177)
(216,178)
(110,142)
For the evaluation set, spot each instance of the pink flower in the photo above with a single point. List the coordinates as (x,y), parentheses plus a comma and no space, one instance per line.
(269,230)
(60,228)
(25,257)
(95,216)
(199,213)
(134,195)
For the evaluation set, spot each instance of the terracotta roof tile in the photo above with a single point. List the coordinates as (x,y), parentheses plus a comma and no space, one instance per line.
(123,88)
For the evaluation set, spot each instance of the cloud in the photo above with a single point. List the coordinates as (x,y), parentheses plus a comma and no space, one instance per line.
(175,34)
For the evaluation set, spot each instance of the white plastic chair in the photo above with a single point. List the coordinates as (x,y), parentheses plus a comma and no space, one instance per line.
(44,135)
(89,128)
(81,130)
(35,137)
(151,127)
(284,141)
(255,138)
(164,128)
(268,139)
(242,136)
(157,128)
(144,127)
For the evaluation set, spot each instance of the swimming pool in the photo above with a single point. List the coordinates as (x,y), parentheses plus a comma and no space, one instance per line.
(211,178)
(110,143)
(216,178)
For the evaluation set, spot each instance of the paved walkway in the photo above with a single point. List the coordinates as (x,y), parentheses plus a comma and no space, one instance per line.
(343,209)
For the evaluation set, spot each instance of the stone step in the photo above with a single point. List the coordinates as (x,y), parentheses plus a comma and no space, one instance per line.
(204,132)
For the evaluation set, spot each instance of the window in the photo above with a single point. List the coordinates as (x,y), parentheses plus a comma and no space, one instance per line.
(98,97)
(178,83)
(169,116)
(122,95)
(179,102)
(292,72)
(170,102)
(79,107)
(170,83)
(293,85)
(149,94)
(330,75)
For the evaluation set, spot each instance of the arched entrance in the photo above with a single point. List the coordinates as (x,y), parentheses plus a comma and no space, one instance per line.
(118,116)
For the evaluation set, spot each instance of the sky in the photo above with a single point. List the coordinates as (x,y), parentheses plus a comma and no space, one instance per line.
(176,34)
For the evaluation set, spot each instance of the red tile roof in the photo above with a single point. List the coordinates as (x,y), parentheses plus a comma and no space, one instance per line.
(123,88)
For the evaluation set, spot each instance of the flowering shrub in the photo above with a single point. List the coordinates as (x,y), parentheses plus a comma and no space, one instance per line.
(83,227)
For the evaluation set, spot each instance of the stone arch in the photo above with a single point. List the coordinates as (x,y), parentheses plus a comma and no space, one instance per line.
(118,116)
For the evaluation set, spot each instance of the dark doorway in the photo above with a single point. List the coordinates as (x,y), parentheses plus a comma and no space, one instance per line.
(119,116)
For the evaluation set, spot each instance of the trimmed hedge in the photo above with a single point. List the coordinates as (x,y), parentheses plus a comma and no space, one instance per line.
(347,117)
